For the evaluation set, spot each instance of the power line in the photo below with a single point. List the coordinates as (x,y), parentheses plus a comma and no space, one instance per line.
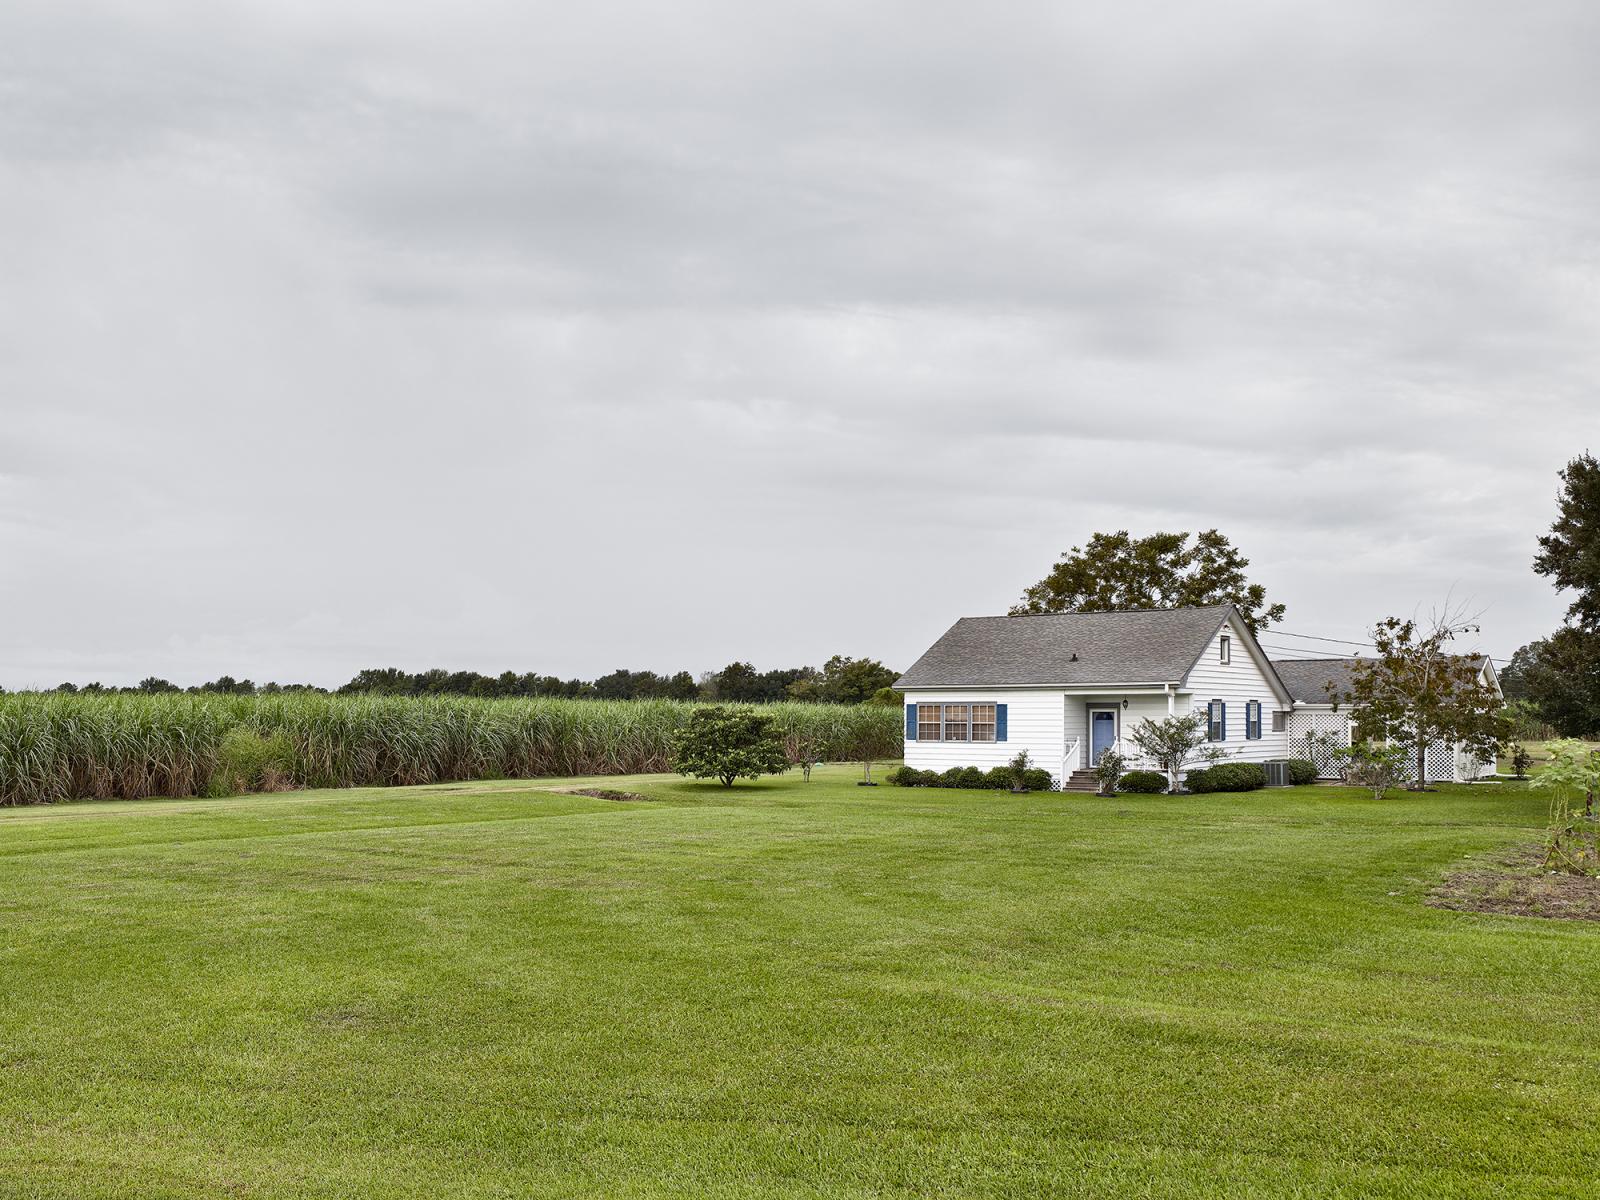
(1287,652)
(1341,641)
(1312,637)
(1297,654)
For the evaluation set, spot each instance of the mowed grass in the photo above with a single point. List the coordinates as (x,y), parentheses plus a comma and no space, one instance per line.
(784,990)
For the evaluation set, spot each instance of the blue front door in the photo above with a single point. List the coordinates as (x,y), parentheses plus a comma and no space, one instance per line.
(1102,733)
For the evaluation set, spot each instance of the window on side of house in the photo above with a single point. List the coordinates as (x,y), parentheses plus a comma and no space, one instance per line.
(983,722)
(1217,721)
(1280,721)
(1252,720)
(955,722)
(928,719)
(1227,650)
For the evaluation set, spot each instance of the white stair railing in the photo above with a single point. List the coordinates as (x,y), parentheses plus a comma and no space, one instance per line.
(1070,758)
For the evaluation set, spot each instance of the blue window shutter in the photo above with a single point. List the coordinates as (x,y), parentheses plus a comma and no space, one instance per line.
(911,722)
(1222,725)
(999,722)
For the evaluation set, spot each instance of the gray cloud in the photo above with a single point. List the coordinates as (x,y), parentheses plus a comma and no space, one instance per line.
(519,335)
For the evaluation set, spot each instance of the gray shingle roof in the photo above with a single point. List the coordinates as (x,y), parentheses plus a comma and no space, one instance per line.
(1070,649)
(1307,678)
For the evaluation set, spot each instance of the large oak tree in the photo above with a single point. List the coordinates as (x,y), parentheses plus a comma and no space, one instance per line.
(1116,571)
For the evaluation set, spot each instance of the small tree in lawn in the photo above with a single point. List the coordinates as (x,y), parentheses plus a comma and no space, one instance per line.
(1373,766)
(804,746)
(1019,766)
(1416,691)
(876,741)
(1521,760)
(1171,743)
(1108,770)
(1572,771)
(727,744)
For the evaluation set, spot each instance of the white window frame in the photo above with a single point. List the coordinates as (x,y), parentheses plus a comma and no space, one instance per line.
(1214,719)
(1225,656)
(964,725)
(973,724)
(934,723)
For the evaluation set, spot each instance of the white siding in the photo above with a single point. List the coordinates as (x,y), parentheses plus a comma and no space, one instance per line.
(1033,719)
(1234,683)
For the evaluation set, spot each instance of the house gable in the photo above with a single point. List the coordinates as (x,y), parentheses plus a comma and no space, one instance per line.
(1258,670)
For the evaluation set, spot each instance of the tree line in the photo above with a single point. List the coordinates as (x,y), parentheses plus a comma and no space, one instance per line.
(840,680)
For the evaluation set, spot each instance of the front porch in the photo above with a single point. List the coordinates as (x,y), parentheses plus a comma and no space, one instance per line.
(1098,722)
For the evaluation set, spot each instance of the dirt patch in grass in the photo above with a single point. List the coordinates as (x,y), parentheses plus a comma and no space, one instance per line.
(602,793)
(1517,884)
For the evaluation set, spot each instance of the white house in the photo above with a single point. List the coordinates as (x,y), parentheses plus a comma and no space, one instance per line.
(1068,687)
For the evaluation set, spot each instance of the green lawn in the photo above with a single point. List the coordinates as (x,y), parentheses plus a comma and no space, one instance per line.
(784,990)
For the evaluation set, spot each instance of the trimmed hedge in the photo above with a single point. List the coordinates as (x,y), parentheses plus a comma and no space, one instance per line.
(998,779)
(1227,777)
(1146,783)
(1302,771)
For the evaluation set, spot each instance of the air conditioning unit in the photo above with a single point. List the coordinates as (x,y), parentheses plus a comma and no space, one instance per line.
(1277,772)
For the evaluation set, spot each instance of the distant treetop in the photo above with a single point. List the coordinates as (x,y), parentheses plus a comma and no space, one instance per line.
(1117,572)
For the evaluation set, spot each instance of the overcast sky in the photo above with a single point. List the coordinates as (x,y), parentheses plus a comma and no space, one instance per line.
(562,337)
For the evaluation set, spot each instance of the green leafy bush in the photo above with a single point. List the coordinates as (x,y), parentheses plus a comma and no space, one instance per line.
(963,777)
(1374,766)
(248,761)
(1228,777)
(1143,782)
(728,744)
(1302,771)
(1033,779)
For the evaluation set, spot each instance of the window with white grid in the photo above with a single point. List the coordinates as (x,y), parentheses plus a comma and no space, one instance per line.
(983,722)
(928,719)
(955,722)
